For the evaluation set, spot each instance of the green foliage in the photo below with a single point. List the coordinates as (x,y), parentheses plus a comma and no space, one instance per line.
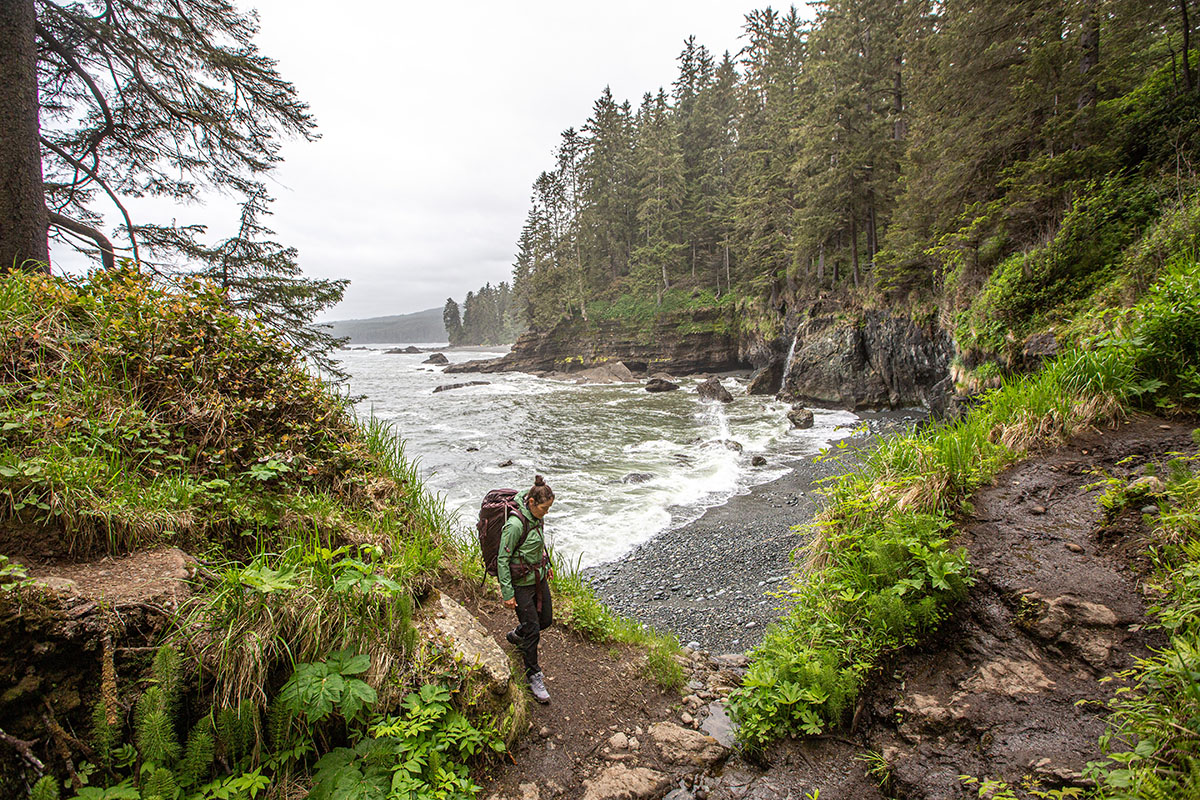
(1166,330)
(318,689)
(580,608)
(420,754)
(1028,289)
(1151,748)
(995,789)
(46,788)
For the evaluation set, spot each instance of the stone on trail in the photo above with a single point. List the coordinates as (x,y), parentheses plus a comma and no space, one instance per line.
(718,724)
(620,782)
(683,746)
(471,642)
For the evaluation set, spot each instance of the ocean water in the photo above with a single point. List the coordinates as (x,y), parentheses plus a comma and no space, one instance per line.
(624,464)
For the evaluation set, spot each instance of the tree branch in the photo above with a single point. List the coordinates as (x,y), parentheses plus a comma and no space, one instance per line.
(106,248)
(70,61)
(25,750)
(63,154)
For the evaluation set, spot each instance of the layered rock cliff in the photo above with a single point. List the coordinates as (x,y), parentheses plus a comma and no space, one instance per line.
(875,360)
(675,343)
(872,360)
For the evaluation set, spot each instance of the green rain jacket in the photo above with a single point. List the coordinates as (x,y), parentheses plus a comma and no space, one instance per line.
(530,553)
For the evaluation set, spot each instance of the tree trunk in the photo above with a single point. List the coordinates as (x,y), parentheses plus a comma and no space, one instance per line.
(23,217)
(1187,51)
(854,247)
(1089,43)
(821,266)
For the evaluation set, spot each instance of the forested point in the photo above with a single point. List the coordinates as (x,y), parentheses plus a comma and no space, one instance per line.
(983,161)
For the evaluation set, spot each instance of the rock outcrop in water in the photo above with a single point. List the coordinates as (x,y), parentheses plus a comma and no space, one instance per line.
(873,361)
(675,343)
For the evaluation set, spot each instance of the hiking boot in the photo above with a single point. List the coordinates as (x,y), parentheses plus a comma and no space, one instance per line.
(512,638)
(537,685)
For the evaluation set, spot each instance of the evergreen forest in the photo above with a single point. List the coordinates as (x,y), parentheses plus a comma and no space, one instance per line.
(990,159)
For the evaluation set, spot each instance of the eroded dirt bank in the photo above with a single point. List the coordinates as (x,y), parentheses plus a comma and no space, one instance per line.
(1010,687)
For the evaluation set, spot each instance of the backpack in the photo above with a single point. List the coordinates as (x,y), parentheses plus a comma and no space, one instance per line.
(497,505)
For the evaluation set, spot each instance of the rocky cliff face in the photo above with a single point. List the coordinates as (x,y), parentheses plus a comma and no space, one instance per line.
(678,344)
(873,361)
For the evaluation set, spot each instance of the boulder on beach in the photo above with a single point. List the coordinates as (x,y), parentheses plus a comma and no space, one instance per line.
(767,380)
(437,358)
(800,417)
(712,389)
(447,387)
(660,385)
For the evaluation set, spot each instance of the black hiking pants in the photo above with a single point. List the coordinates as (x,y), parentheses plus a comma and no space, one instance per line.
(532,621)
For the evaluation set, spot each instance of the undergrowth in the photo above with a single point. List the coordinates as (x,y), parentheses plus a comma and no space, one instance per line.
(1152,748)
(880,570)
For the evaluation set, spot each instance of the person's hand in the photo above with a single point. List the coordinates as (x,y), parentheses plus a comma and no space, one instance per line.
(510,602)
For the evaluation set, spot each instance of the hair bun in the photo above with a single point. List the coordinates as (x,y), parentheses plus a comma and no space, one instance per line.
(538,480)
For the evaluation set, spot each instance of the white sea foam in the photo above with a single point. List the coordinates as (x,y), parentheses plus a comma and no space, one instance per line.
(625,464)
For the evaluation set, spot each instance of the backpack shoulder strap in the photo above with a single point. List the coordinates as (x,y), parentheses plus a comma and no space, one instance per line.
(525,526)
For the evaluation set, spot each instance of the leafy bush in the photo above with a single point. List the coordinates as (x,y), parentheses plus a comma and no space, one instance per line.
(1152,747)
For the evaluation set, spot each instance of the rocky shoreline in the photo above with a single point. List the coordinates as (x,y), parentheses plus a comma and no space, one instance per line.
(709,582)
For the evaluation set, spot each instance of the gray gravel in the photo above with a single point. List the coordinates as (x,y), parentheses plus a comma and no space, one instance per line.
(710,582)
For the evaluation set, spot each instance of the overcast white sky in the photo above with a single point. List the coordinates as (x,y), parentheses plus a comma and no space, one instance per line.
(436,118)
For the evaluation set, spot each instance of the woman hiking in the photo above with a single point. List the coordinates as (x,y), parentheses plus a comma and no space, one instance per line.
(524,571)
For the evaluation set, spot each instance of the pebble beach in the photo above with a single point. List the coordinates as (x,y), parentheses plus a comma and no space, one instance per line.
(711,582)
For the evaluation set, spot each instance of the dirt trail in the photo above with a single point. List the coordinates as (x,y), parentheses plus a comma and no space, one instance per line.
(1058,605)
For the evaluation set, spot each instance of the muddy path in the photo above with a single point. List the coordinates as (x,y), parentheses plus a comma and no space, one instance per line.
(1009,688)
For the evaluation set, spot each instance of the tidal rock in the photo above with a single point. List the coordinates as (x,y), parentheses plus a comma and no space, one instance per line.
(730,444)
(800,417)
(712,389)
(612,372)
(874,361)
(437,358)
(402,350)
(766,380)
(758,461)
(637,477)
(660,385)
(447,387)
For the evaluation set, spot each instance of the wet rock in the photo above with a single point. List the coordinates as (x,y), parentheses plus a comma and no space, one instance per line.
(660,385)
(712,389)
(448,386)
(758,461)
(730,444)
(508,463)
(637,477)
(682,746)
(619,782)
(436,358)
(718,724)
(800,417)
(613,372)
(402,350)
(766,380)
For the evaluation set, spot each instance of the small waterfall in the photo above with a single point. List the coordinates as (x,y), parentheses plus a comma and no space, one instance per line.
(787,365)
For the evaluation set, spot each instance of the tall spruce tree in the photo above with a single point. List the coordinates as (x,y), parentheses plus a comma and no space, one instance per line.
(109,99)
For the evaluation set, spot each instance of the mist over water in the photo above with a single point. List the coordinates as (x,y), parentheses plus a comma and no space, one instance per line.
(625,464)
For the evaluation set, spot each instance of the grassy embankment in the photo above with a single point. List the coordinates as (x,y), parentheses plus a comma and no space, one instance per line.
(882,571)
(134,415)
